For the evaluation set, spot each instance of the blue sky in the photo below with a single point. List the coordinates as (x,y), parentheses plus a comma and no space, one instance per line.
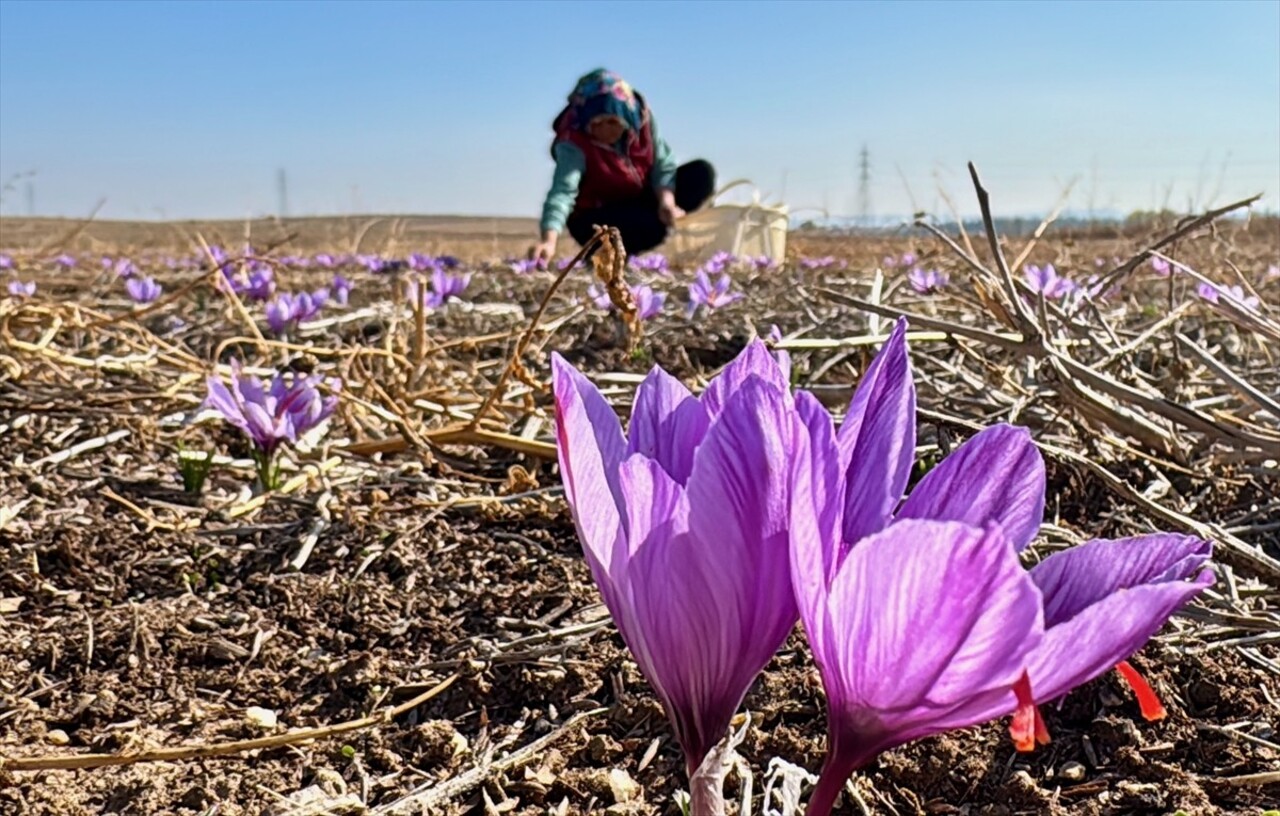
(187,109)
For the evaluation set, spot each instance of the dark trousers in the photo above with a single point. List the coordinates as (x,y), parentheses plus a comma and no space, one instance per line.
(637,220)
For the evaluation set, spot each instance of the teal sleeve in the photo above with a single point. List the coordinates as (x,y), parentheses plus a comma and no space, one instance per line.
(564,187)
(663,174)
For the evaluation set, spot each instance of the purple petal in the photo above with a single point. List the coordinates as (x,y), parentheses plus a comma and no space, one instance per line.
(221,399)
(998,475)
(926,616)
(877,440)
(667,424)
(753,361)
(591,447)
(1111,630)
(817,507)
(1074,579)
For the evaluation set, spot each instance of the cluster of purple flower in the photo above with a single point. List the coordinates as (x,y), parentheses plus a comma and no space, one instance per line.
(718,521)
(649,303)
(443,287)
(288,311)
(270,413)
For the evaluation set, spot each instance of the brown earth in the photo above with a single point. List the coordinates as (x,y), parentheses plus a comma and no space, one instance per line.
(119,632)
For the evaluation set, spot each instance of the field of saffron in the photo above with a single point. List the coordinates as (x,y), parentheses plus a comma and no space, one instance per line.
(373,521)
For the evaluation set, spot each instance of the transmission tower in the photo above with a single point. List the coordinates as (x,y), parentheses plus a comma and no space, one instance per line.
(864,187)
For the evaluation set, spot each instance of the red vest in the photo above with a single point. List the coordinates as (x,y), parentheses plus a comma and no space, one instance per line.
(609,176)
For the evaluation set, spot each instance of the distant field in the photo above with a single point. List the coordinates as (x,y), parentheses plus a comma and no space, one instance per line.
(466,236)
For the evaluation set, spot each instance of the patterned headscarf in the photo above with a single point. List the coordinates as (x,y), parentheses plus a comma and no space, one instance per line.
(604,93)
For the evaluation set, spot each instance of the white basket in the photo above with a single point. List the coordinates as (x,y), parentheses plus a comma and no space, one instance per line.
(751,229)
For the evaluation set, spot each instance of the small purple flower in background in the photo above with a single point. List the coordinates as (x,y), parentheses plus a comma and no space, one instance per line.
(6,261)
(448,261)
(926,281)
(379,265)
(817,263)
(125,268)
(524,266)
(684,524)
(563,264)
(261,284)
(65,261)
(654,262)
(648,302)
(763,263)
(1272,273)
(288,311)
(1236,294)
(889,261)
(1046,279)
(142,290)
(270,414)
(599,297)
(719,262)
(704,293)
(909,259)
(1161,267)
(19,289)
(325,260)
(419,262)
(445,287)
(341,290)
(108,262)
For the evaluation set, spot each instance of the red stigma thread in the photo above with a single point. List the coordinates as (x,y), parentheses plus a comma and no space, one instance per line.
(1148,702)
(1027,728)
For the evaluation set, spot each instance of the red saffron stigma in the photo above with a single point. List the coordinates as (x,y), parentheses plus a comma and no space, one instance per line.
(1027,728)
(1150,705)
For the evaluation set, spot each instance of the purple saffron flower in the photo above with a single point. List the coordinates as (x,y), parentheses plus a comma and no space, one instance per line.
(1235,294)
(270,414)
(909,259)
(341,290)
(763,263)
(719,262)
(704,293)
(125,268)
(1272,273)
(324,259)
(926,281)
(261,284)
(419,262)
(683,522)
(65,261)
(817,263)
(523,266)
(1046,279)
(142,290)
(920,617)
(1161,267)
(6,261)
(445,287)
(288,311)
(648,302)
(20,289)
(654,262)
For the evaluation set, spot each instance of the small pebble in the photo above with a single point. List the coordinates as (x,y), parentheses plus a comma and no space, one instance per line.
(57,737)
(263,718)
(1071,772)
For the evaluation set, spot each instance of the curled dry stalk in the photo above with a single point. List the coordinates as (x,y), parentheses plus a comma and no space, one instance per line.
(607,241)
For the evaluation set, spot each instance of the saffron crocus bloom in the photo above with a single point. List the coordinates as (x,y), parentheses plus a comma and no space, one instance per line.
(925,281)
(22,289)
(125,268)
(1046,279)
(704,293)
(1161,267)
(341,290)
(683,522)
(920,617)
(142,290)
(652,262)
(648,302)
(6,261)
(445,287)
(270,414)
(1236,294)
(287,311)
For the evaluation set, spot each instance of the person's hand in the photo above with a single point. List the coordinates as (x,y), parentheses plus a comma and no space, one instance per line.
(544,250)
(669,213)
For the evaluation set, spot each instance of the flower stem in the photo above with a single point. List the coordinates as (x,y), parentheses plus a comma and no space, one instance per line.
(836,770)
